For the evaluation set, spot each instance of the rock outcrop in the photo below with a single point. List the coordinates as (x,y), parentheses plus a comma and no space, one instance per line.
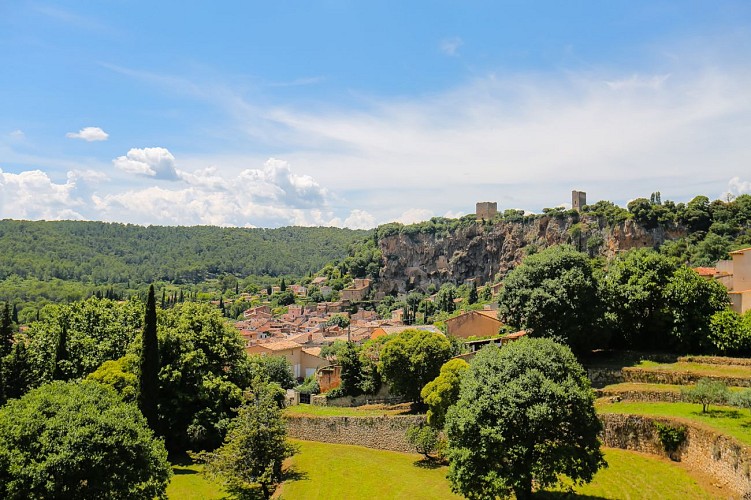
(484,251)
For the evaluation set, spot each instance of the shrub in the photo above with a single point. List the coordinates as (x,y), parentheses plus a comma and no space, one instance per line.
(671,436)
(424,438)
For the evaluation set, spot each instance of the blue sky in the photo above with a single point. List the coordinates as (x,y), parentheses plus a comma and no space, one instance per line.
(359,113)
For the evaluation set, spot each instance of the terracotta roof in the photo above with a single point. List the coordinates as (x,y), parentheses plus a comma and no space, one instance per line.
(313,351)
(741,251)
(280,345)
(706,271)
(515,335)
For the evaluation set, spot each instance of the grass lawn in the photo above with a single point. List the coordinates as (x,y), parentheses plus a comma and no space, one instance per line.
(332,471)
(724,419)
(188,483)
(698,368)
(334,411)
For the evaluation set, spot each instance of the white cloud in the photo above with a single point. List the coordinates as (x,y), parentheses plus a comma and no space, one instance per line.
(33,195)
(149,162)
(654,82)
(359,219)
(270,196)
(415,215)
(17,135)
(89,134)
(450,46)
(736,187)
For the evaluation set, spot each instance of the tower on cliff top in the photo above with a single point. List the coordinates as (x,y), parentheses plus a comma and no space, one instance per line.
(578,200)
(486,209)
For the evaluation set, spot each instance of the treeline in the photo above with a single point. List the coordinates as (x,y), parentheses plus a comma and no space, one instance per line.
(107,253)
(641,300)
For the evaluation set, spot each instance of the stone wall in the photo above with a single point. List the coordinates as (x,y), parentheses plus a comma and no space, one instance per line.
(600,377)
(644,396)
(720,456)
(716,360)
(381,433)
(646,376)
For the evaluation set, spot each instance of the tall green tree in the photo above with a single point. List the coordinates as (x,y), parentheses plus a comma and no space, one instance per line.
(525,416)
(442,392)
(693,301)
(554,294)
(413,358)
(6,330)
(78,440)
(148,379)
(61,369)
(633,287)
(250,461)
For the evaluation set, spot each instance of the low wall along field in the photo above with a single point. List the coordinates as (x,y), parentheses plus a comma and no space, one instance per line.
(647,376)
(381,433)
(720,456)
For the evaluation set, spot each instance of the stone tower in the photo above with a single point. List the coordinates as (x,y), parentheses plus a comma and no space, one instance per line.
(486,209)
(578,200)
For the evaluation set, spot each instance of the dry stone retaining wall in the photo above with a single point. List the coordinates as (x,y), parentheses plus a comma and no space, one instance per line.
(381,433)
(720,456)
(641,375)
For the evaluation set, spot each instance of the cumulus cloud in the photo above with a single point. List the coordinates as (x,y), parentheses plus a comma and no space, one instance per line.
(89,134)
(148,162)
(450,46)
(33,195)
(736,187)
(415,215)
(273,195)
(359,219)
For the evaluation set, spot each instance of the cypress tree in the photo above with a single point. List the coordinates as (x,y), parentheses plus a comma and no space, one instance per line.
(15,314)
(148,382)
(164,298)
(283,286)
(61,354)
(6,330)
(472,299)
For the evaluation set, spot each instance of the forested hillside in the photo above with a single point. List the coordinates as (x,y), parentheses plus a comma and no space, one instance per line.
(106,253)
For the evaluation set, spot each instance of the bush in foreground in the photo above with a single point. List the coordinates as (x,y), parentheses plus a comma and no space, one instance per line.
(525,415)
(78,440)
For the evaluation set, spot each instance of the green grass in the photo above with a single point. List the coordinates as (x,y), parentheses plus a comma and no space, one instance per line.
(633,475)
(332,471)
(335,471)
(698,368)
(189,484)
(724,419)
(334,411)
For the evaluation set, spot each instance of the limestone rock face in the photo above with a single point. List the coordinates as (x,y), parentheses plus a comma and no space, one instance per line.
(483,250)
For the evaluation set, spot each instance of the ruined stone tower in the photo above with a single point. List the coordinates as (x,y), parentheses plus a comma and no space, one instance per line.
(578,200)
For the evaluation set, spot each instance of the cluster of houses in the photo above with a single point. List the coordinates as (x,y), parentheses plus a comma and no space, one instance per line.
(301,332)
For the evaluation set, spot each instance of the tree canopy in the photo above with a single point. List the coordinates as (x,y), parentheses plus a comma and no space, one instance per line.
(413,358)
(525,415)
(78,440)
(554,294)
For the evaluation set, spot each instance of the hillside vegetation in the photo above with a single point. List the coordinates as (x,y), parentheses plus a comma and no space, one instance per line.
(101,252)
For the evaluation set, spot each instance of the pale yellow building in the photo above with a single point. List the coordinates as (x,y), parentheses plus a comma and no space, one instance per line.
(304,360)
(735,274)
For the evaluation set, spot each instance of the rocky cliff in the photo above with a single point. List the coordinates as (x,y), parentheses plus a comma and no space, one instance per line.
(484,251)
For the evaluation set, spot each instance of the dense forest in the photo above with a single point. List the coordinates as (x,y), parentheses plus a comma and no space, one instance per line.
(99,252)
